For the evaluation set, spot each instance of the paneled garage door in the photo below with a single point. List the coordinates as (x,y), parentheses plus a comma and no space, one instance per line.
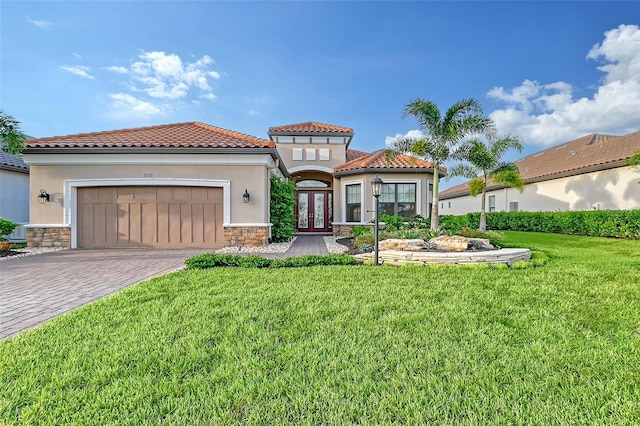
(140,216)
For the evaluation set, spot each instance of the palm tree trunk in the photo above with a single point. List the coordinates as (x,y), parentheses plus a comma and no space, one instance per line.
(436,198)
(483,213)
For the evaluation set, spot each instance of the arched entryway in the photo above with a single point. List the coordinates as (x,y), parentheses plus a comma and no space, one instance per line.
(314,202)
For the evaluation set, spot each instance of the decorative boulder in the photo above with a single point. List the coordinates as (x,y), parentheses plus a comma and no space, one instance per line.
(480,244)
(449,243)
(458,243)
(402,245)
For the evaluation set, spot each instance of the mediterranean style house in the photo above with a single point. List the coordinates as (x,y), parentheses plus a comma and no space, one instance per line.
(584,174)
(196,185)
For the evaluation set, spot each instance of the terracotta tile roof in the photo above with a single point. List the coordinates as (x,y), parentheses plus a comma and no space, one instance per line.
(310,127)
(179,135)
(378,160)
(352,154)
(586,154)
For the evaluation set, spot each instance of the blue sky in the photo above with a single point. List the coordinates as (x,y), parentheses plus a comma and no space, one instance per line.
(548,72)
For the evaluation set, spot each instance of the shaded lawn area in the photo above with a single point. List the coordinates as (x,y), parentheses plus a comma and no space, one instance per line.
(558,344)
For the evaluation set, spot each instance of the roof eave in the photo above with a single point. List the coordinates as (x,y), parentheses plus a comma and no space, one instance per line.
(365,170)
(10,168)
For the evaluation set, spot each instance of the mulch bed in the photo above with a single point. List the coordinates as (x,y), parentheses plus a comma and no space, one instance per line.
(348,242)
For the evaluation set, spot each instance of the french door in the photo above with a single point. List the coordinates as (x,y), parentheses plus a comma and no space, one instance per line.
(314,211)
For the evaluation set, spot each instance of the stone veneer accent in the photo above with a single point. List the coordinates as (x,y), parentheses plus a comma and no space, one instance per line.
(247,236)
(345,230)
(50,236)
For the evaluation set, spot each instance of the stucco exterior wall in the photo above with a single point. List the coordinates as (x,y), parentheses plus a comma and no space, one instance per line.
(614,189)
(336,156)
(253,177)
(423,197)
(14,196)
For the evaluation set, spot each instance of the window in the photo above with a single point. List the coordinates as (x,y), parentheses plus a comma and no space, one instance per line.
(449,204)
(513,206)
(492,203)
(311,183)
(398,199)
(354,199)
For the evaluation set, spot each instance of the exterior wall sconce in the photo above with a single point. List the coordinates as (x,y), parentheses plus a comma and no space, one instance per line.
(376,188)
(246,197)
(43,198)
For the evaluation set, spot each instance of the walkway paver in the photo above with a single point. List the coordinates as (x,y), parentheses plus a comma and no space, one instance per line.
(307,244)
(35,289)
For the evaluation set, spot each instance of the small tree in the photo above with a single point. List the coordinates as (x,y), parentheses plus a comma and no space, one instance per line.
(485,162)
(13,140)
(442,133)
(282,209)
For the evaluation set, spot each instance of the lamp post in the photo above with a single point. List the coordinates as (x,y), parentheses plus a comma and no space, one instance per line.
(376,188)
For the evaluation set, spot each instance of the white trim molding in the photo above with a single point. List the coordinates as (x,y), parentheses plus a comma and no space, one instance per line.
(71,195)
(309,167)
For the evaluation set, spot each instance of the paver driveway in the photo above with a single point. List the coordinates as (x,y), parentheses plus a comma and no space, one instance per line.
(36,289)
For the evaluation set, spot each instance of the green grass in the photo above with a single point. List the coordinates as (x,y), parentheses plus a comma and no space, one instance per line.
(559,344)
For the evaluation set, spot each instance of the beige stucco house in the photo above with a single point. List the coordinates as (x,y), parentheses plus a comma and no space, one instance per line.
(584,174)
(192,184)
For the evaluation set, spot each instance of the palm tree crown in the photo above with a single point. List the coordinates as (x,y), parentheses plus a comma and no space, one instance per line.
(485,162)
(13,140)
(442,133)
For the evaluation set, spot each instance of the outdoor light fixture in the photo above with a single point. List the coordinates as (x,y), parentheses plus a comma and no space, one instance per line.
(43,197)
(246,197)
(376,188)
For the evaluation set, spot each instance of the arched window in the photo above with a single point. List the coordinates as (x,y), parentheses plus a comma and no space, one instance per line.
(311,183)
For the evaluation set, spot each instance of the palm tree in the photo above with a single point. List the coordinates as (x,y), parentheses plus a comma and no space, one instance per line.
(442,133)
(13,140)
(485,159)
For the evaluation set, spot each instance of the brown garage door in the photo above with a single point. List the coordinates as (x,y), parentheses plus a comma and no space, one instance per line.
(139,216)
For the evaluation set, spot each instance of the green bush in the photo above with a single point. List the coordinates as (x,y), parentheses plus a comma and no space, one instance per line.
(6,227)
(282,209)
(595,223)
(214,260)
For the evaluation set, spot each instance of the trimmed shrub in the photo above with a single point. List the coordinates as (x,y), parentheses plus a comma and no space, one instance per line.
(214,260)
(6,227)
(282,209)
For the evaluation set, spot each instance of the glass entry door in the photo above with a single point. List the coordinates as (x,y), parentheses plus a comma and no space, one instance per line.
(313,211)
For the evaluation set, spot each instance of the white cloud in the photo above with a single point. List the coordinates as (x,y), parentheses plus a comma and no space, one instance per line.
(42,24)
(127,106)
(253,112)
(209,96)
(118,70)
(166,76)
(411,134)
(78,70)
(547,114)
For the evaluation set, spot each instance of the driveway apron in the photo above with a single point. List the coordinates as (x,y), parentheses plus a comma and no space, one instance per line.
(35,289)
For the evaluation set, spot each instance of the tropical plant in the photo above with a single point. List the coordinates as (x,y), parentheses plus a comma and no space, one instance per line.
(485,162)
(282,205)
(441,135)
(13,140)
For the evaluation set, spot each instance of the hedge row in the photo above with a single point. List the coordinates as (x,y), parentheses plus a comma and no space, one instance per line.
(213,260)
(595,223)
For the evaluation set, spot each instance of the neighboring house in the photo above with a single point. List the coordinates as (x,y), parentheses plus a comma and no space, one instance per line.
(585,174)
(14,192)
(184,185)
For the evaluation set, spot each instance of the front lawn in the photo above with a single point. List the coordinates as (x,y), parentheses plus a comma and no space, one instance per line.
(558,344)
